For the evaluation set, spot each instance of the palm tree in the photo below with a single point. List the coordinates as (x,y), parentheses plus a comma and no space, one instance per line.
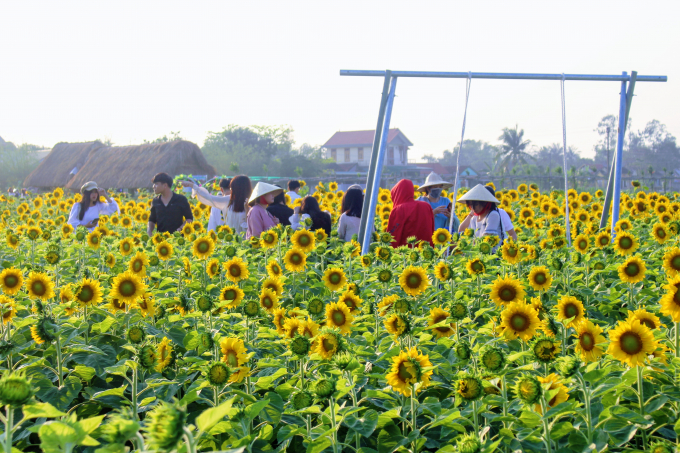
(513,148)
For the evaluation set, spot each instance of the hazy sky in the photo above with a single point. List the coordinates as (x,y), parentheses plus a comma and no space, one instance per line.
(129,71)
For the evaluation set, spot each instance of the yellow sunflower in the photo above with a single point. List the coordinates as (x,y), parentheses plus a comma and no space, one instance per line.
(352,301)
(441,236)
(505,291)
(670,302)
(203,247)
(582,243)
(603,239)
(94,240)
(334,278)
(303,240)
(395,324)
(570,307)
(66,230)
(436,316)
(519,320)
(279,316)
(291,326)
(274,284)
(671,262)
(561,396)
(11,281)
(308,328)
(7,309)
(164,251)
(127,287)
(88,293)
(338,315)
(236,270)
(590,340)
(631,342)
(295,260)
(511,252)
(413,280)
(539,278)
(660,233)
(231,294)
(475,266)
(442,271)
(386,303)
(632,270)
(39,286)
(625,243)
(234,352)
(269,300)
(138,263)
(274,269)
(147,305)
(407,370)
(126,246)
(326,345)
(648,319)
(269,239)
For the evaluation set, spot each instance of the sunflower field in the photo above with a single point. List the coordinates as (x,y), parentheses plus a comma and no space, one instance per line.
(113,341)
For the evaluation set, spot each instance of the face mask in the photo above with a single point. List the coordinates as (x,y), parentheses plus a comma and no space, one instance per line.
(435,193)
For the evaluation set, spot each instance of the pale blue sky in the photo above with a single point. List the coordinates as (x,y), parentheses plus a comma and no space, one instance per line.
(131,70)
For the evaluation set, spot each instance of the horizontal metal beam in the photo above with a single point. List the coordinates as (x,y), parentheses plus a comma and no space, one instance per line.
(502,75)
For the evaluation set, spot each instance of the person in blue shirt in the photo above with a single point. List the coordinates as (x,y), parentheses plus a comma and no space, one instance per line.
(441,206)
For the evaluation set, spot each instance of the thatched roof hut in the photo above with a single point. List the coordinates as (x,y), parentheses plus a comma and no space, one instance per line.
(59,166)
(126,167)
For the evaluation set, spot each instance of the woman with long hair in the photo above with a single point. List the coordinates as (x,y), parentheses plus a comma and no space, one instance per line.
(352,204)
(310,210)
(232,202)
(280,210)
(88,210)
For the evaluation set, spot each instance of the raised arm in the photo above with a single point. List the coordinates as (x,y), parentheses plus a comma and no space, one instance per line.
(202,194)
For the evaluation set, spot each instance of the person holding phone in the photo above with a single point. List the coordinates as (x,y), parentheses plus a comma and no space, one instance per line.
(87,211)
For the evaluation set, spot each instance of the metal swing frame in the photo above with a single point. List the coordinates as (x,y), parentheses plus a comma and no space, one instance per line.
(385,114)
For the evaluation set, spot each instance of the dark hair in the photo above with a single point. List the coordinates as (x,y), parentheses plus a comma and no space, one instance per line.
(85,202)
(353,202)
(240,192)
(293,184)
(490,189)
(320,219)
(163,178)
(280,198)
(224,183)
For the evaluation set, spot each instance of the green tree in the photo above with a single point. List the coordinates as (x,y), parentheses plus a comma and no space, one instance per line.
(513,148)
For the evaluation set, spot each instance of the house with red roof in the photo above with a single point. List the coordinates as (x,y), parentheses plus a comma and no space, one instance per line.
(355,147)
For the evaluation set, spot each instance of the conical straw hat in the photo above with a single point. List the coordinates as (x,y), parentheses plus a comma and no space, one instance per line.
(478,193)
(262,188)
(433,179)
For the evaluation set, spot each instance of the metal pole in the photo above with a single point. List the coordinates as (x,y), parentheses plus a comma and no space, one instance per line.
(610,184)
(374,155)
(503,75)
(373,200)
(618,164)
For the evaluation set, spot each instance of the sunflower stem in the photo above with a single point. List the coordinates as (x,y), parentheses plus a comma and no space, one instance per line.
(334,438)
(134,393)
(87,326)
(677,339)
(546,426)
(475,423)
(60,371)
(9,422)
(589,415)
(641,401)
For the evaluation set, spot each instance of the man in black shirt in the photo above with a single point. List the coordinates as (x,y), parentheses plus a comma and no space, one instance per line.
(169,210)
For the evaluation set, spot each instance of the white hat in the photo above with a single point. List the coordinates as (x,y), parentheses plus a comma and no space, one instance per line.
(262,188)
(433,179)
(478,193)
(90,185)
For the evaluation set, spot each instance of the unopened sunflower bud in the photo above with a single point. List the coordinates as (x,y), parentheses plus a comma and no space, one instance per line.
(300,345)
(568,365)
(324,387)
(164,426)
(469,443)
(301,399)
(15,390)
(528,389)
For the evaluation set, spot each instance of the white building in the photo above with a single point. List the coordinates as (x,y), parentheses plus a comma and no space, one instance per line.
(356,146)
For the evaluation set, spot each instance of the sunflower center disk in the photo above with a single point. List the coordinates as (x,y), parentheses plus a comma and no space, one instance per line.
(519,322)
(507,294)
(632,270)
(230,295)
(413,281)
(127,289)
(85,294)
(12,281)
(338,318)
(626,243)
(404,373)
(334,279)
(587,341)
(38,288)
(675,263)
(327,344)
(540,278)
(630,343)
(649,323)
(571,310)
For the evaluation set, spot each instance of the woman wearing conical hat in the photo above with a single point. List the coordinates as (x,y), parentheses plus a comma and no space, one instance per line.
(484,217)
(259,219)
(441,206)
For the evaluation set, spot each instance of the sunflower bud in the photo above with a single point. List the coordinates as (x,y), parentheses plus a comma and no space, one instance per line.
(153,260)
(345,362)
(661,447)
(528,389)
(135,334)
(251,308)
(545,349)
(556,263)
(492,359)
(164,426)
(469,387)
(203,303)
(15,390)
(458,310)
(568,365)
(315,306)
(469,443)
(206,341)
(485,248)
(218,374)
(147,356)
(462,350)
(301,399)
(300,345)
(120,427)
(324,387)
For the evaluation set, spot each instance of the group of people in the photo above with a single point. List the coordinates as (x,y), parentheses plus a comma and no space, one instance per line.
(250,211)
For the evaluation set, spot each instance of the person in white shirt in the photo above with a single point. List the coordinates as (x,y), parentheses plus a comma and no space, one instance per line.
(508,227)
(87,211)
(293,190)
(352,203)
(231,204)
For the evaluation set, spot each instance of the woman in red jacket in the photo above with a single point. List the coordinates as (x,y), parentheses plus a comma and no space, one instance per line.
(409,217)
